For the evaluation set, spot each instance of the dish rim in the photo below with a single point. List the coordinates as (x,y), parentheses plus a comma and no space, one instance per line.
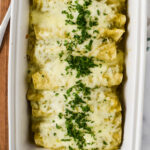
(138,112)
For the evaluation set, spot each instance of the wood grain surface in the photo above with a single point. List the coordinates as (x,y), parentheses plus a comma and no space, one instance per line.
(3,80)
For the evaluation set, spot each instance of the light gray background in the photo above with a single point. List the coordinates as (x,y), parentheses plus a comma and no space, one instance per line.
(146,117)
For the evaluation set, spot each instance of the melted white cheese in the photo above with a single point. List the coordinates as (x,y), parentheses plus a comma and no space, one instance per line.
(105,114)
(49,80)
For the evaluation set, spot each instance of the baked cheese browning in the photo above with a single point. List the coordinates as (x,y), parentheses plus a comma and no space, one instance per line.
(67,73)
(59,21)
(47,5)
(48,51)
(46,33)
(45,104)
(75,66)
(98,102)
(49,134)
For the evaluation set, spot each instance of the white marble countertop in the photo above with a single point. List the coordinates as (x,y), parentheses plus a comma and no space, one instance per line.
(146,117)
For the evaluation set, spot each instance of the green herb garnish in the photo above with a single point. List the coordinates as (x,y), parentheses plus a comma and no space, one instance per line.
(105,143)
(98,12)
(58,127)
(89,46)
(81,64)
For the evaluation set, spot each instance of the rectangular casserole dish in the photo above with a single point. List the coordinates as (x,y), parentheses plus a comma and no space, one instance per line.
(19,111)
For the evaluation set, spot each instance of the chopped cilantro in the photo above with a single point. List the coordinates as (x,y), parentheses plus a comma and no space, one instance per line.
(54,134)
(59,43)
(104,100)
(81,64)
(57,126)
(65,96)
(69,45)
(87,2)
(69,91)
(100,131)
(76,101)
(74,30)
(100,65)
(60,115)
(65,140)
(93,22)
(76,96)
(104,40)
(56,94)
(70,148)
(95,31)
(69,22)
(89,46)
(61,54)
(98,12)
(105,143)
(86,108)
(82,87)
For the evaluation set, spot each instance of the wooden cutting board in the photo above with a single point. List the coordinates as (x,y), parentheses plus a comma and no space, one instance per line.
(3,80)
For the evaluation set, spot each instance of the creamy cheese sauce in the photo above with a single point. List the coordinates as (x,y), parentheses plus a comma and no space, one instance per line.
(74,68)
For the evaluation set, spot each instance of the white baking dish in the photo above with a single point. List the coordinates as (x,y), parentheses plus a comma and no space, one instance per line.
(19,112)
